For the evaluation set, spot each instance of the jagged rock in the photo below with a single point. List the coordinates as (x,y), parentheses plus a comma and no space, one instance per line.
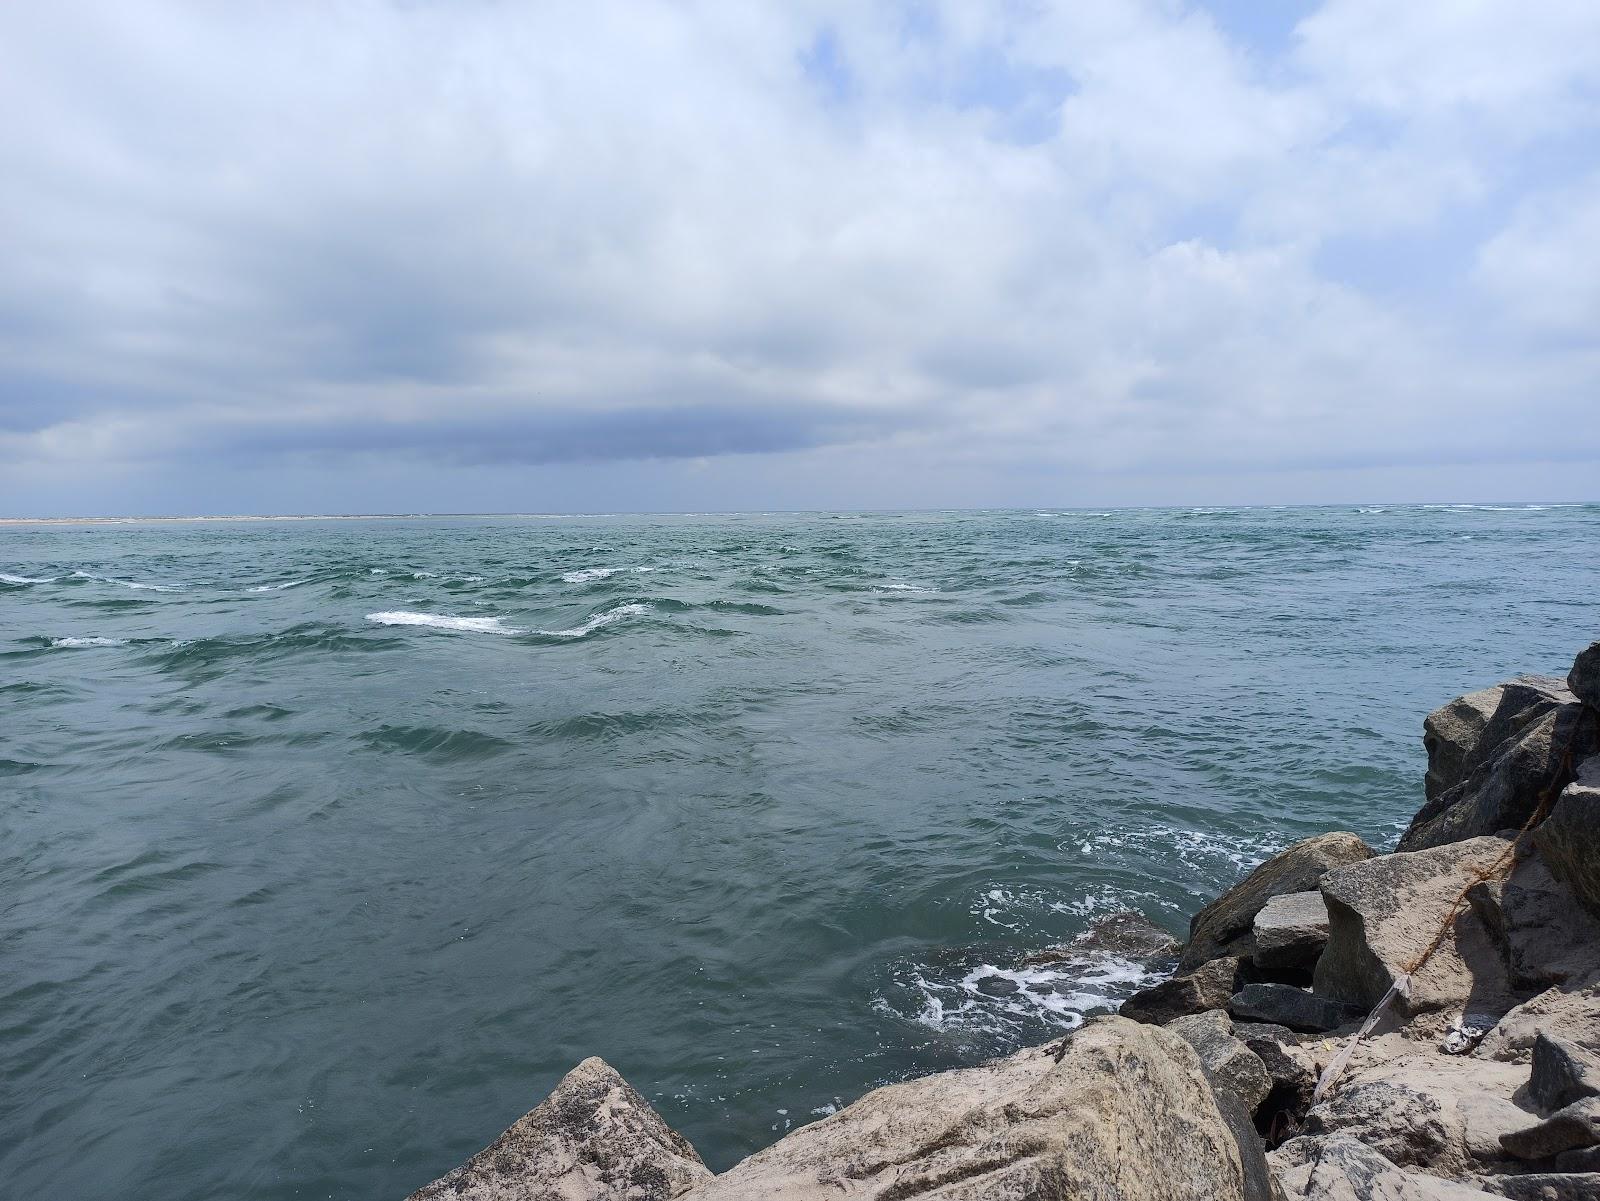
(1563,1072)
(1568,1129)
(1545,1186)
(1291,1071)
(1339,1168)
(1572,1014)
(1290,932)
(1232,1067)
(1207,987)
(1569,839)
(1584,678)
(1223,927)
(1126,1113)
(1128,935)
(1502,792)
(1433,1112)
(1384,912)
(593,1139)
(1286,1005)
(1452,732)
(1543,936)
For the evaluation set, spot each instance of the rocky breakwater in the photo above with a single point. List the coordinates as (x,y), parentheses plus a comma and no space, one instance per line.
(1344,1025)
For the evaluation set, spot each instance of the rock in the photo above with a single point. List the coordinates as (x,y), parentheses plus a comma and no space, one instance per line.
(1572,1014)
(1286,1005)
(1452,732)
(1424,1110)
(593,1139)
(1339,1168)
(1207,987)
(1568,1129)
(1259,1183)
(1290,932)
(1291,1071)
(1585,1160)
(1128,935)
(1584,678)
(1563,1072)
(1545,1186)
(1227,921)
(1232,1067)
(1569,839)
(1126,1113)
(1543,936)
(1383,913)
(1502,792)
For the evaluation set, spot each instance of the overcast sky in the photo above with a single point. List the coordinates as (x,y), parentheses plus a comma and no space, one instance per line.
(461,255)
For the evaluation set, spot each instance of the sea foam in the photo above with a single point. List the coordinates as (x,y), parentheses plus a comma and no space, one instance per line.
(443,621)
(597,621)
(26,579)
(75,643)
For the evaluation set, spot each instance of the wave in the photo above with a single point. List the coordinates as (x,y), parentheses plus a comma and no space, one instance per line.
(78,643)
(6,578)
(473,625)
(598,621)
(106,579)
(587,574)
(276,587)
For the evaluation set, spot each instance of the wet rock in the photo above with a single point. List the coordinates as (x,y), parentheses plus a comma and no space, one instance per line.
(1290,932)
(1545,1186)
(1584,678)
(1126,1112)
(1126,935)
(1207,987)
(1224,926)
(593,1139)
(1384,912)
(1543,936)
(1568,1129)
(996,986)
(1572,1014)
(1569,839)
(1340,1168)
(1232,1067)
(1286,1005)
(1563,1072)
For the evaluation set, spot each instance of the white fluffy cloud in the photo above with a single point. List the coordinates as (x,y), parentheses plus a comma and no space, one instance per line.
(1080,238)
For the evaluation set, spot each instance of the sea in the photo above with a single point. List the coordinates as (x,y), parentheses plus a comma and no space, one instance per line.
(328,846)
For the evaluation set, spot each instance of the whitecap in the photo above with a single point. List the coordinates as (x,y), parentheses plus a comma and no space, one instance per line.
(895,586)
(276,587)
(586,574)
(74,643)
(597,621)
(437,621)
(105,579)
(26,579)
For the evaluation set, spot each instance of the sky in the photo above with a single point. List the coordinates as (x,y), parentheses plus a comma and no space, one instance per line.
(467,255)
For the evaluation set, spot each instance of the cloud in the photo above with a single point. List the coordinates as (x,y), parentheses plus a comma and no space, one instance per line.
(1104,238)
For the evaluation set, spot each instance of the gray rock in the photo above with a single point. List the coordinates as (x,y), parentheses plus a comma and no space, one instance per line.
(1569,839)
(1586,1159)
(1125,1113)
(1128,935)
(1232,1067)
(1291,1071)
(1543,935)
(1223,927)
(1567,1129)
(1286,1005)
(1503,791)
(593,1139)
(1546,1186)
(1563,1072)
(1384,912)
(1452,732)
(1207,987)
(1584,678)
(1339,1168)
(1571,1013)
(1259,1182)
(1290,932)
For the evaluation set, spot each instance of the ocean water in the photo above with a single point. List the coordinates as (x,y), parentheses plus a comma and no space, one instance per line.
(326,847)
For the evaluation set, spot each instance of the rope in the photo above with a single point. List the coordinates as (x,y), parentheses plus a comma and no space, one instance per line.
(1402,985)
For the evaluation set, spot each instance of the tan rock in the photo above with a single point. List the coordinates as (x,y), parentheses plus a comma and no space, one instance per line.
(1339,1168)
(1126,1115)
(1572,1014)
(1569,839)
(593,1139)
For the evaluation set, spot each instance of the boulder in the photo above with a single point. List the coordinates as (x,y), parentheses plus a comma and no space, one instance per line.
(593,1139)
(1546,1186)
(1291,1071)
(1563,1072)
(1584,678)
(1223,927)
(1289,933)
(1207,987)
(1126,935)
(1570,1128)
(1124,1112)
(1572,1014)
(1569,839)
(1230,1066)
(1504,789)
(1259,1183)
(1339,1168)
(1543,936)
(1286,1005)
(1383,913)
(1452,732)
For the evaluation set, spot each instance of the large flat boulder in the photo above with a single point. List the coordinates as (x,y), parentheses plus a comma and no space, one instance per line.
(1569,839)
(1290,932)
(1383,913)
(1125,1114)
(1224,926)
(1339,1168)
(1286,1005)
(593,1139)
(1207,987)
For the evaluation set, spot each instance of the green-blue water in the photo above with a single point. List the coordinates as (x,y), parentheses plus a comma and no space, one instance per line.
(301,900)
